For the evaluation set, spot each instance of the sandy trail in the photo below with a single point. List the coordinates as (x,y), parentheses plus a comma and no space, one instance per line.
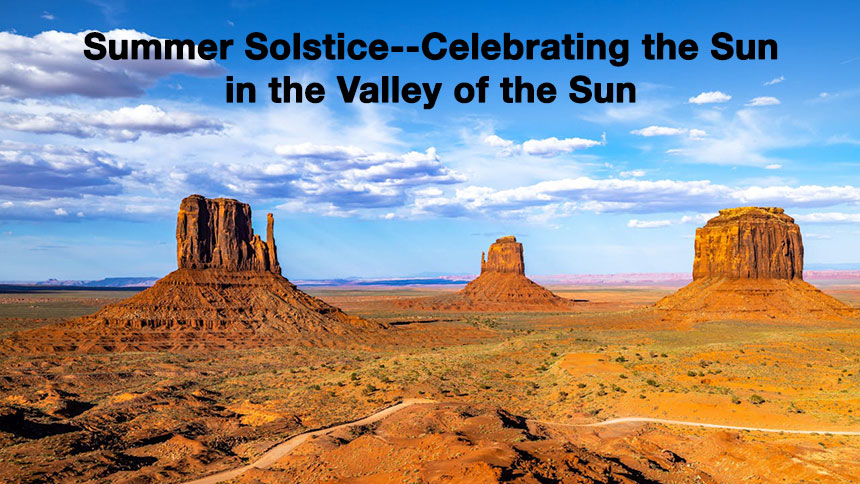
(615,421)
(275,453)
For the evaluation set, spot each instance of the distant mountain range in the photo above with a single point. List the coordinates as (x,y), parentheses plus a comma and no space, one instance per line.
(106,282)
(622,279)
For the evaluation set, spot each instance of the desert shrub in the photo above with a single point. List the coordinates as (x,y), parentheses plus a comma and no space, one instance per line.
(691,373)
(652,382)
(756,399)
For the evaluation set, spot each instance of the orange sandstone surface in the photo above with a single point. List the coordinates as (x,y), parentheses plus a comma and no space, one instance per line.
(502,286)
(749,265)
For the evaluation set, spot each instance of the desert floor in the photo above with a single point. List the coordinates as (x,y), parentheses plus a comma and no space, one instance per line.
(177,416)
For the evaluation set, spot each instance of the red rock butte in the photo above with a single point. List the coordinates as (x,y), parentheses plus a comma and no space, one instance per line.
(502,286)
(749,265)
(228,290)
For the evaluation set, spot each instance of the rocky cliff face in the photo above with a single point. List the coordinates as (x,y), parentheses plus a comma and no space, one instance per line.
(217,234)
(749,243)
(505,256)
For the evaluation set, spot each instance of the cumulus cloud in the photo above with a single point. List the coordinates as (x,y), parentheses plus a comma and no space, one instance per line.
(52,63)
(339,179)
(546,147)
(775,80)
(763,101)
(571,195)
(124,124)
(773,166)
(668,131)
(34,172)
(710,97)
(633,173)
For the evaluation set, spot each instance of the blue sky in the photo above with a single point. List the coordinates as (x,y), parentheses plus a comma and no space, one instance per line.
(95,156)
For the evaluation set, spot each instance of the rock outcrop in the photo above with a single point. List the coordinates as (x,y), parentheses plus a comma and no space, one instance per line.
(502,286)
(749,243)
(749,265)
(217,234)
(228,288)
(505,257)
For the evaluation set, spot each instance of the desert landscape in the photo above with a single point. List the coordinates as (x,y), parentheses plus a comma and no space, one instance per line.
(225,371)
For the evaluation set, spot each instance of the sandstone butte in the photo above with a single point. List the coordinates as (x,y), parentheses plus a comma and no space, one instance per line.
(749,265)
(502,286)
(228,285)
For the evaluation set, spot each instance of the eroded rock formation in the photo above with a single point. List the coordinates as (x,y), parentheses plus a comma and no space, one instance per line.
(749,265)
(502,286)
(505,256)
(228,288)
(749,243)
(217,234)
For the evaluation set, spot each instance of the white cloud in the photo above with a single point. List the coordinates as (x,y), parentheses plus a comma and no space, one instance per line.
(52,63)
(553,146)
(39,172)
(710,97)
(584,194)
(633,173)
(340,179)
(829,217)
(775,80)
(123,124)
(694,134)
(546,147)
(745,139)
(648,224)
(497,142)
(763,101)
(773,166)
(658,131)
(60,212)
(47,15)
